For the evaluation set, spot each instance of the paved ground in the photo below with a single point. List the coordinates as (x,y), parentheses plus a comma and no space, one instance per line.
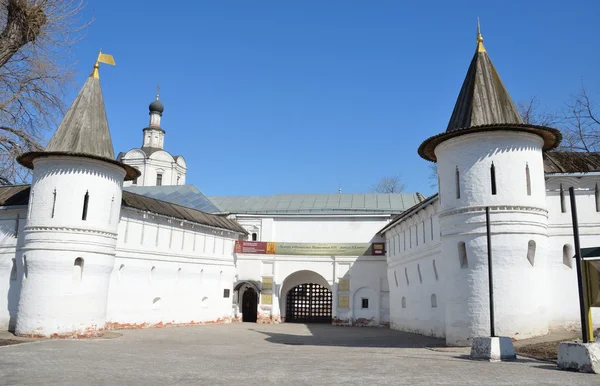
(251,354)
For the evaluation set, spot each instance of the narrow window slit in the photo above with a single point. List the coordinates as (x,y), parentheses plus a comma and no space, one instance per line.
(457,183)
(528,179)
(110,214)
(563,206)
(493,176)
(53,202)
(86,200)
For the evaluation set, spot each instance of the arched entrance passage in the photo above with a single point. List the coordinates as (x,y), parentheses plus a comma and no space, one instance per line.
(306,297)
(249,305)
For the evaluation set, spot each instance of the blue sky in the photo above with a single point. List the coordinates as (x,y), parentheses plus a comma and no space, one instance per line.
(269,97)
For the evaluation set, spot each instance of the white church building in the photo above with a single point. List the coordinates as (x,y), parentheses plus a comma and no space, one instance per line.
(101,242)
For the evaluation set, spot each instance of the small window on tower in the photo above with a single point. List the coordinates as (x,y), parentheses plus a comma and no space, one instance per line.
(254,237)
(493,177)
(528,179)
(457,183)
(178,178)
(226,293)
(86,200)
(159,179)
(563,205)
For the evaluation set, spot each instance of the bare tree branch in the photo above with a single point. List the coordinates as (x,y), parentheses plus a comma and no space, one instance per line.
(389,184)
(35,41)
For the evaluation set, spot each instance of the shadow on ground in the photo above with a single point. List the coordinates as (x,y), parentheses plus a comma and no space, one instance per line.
(327,335)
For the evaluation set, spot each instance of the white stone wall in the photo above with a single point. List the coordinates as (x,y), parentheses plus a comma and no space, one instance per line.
(12,223)
(193,265)
(416,274)
(170,271)
(563,297)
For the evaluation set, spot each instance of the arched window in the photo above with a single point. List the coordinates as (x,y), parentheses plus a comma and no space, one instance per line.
(462,255)
(86,200)
(531,251)
(435,272)
(419,272)
(406,275)
(151,276)
(254,236)
(433,301)
(403,302)
(528,179)
(78,270)
(457,183)
(563,205)
(493,177)
(568,254)
(156,303)
(179,274)
(13,270)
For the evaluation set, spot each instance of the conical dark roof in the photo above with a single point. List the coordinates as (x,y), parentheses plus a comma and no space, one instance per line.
(484,104)
(83,131)
(483,99)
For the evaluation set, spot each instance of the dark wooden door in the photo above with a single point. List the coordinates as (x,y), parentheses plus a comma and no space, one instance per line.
(308,303)
(249,305)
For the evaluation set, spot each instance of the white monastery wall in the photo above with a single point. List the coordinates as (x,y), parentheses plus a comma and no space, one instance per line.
(170,271)
(416,274)
(562,274)
(12,223)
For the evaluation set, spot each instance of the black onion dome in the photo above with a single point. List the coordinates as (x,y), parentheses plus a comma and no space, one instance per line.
(156,107)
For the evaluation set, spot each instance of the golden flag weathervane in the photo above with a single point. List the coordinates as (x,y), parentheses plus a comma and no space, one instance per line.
(102,58)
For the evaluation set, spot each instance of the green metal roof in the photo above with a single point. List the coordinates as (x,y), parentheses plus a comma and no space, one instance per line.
(318,203)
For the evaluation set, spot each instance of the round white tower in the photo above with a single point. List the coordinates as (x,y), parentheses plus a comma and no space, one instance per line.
(488,158)
(71,231)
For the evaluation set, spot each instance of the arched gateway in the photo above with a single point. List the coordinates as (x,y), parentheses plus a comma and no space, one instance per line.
(308,303)
(306,298)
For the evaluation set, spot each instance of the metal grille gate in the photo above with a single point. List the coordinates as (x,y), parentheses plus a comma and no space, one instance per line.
(308,303)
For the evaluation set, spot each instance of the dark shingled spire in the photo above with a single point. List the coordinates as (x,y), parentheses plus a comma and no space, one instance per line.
(83,131)
(483,99)
(484,104)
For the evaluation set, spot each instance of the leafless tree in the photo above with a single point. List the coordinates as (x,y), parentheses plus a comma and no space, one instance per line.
(531,114)
(35,41)
(391,184)
(581,123)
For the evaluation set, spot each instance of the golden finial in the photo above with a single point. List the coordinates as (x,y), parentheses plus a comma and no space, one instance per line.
(480,47)
(157,91)
(102,58)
